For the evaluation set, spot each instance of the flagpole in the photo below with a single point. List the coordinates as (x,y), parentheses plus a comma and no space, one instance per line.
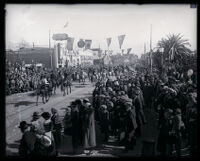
(49,39)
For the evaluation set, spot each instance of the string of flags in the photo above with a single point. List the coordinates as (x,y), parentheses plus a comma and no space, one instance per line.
(86,44)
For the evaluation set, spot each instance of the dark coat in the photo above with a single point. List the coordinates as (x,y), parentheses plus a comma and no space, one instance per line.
(76,135)
(27,144)
(130,121)
(140,117)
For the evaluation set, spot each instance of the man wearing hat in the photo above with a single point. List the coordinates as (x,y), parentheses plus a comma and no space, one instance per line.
(105,122)
(28,140)
(57,127)
(140,117)
(177,126)
(130,126)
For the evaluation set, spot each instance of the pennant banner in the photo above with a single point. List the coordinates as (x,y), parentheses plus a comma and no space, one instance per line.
(108,41)
(70,42)
(129,50)
(121,40)
(88,44)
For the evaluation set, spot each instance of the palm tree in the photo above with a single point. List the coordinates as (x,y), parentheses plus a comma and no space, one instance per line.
(176,49)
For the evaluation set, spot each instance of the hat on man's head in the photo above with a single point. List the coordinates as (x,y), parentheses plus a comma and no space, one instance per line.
(88,104)
(36,114)
(128,104)
(86,100)
(23,125)
(178,111)
(46,115)
(104,107)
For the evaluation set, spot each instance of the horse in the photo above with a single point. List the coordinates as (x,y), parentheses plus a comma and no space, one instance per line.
(43,90)
(82,76)
(66,84)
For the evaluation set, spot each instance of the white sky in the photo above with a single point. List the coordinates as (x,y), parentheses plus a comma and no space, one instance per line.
(98,22)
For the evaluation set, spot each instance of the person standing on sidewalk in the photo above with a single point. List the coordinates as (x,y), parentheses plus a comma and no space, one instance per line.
(131,125)
(89,136)
(57,128)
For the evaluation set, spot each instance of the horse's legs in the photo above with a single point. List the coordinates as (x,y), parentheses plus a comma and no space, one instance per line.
(67,89)
(37,97)
(70,88)
(64,91)
(54,88)
(43,98)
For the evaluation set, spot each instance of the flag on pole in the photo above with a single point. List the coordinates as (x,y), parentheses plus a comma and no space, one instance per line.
(66,24)
(121,40)
(129,50)
(88,44)
(70,42)
(108,41)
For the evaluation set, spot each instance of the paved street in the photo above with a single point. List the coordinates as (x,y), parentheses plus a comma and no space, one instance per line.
(21,107)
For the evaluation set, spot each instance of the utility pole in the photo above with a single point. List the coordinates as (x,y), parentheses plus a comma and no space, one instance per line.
(51,54)
(151,48)
(49,40)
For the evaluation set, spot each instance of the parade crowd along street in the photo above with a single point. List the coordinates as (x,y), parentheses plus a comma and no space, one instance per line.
(119,99)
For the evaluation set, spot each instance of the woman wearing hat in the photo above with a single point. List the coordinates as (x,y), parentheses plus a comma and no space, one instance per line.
(89,136)
(37,123)
(45,145)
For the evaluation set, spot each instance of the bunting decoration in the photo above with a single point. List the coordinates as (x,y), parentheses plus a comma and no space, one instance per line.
(121,40)
(70,42)
(129,50)
(88,44)
(108,41)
